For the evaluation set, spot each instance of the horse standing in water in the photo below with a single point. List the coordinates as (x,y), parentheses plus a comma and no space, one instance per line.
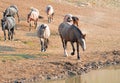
(33,16)
(43,33)
(11,11)
(50,13)
(73,34)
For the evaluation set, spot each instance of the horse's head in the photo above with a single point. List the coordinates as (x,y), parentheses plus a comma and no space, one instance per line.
(43,27)
(75,20)
(69,19)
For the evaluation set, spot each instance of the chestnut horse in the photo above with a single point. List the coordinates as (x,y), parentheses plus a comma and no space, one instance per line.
(32,16)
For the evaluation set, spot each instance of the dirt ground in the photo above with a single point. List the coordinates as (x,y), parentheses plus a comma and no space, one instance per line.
(21,58)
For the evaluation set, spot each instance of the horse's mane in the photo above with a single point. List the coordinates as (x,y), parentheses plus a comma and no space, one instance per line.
(77,29)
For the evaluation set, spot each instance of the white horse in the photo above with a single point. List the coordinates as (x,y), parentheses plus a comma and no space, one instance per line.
(43,33)
(50,13)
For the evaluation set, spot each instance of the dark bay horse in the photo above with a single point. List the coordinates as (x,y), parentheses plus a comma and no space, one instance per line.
(72,34)
(11,11)
(8,23)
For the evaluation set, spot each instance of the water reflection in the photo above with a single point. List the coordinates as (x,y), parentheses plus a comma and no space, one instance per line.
(106,75)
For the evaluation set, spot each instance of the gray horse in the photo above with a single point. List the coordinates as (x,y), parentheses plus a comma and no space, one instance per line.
(43,32)
(11,11)
(50,13)
(73,34)
(8,23)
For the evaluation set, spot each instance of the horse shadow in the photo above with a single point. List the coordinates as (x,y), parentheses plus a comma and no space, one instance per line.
(31,34)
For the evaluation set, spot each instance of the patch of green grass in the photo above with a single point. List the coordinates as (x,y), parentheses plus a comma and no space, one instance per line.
(30,43)
(14,57)
(42,54)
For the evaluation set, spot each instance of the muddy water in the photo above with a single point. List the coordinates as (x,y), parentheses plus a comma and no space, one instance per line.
(106,75)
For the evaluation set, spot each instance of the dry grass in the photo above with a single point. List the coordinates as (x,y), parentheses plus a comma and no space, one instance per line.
(102,26)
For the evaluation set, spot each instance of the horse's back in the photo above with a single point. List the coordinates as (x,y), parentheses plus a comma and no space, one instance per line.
(14,6)
(11,21)
(11,10)
(8,23)
(69,32)
(50,9)
(63,29)
(34,9)
(34,15)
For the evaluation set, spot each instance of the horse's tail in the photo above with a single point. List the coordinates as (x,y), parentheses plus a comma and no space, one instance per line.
(18,17)
(40,17)
(46,42)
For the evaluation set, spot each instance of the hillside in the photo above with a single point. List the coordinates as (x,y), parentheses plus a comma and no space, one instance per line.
(21,58)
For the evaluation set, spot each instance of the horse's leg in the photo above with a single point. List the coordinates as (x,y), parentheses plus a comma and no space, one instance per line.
(73,48)
(45,43)
(4,35)
(35,23)
(78,55)
(52,16)
(48,19)
(42,45)
(9,33)
(12,32)
(30,26)
(65,46)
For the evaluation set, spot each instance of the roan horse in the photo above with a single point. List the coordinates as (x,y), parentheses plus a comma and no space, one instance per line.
(73,34)
(43,33)
(8,23)
(33,16)
(11,11)
(50,13)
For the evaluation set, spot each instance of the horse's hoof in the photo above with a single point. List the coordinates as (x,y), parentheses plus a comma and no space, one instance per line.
(78,58)
(65,55)
(72,53)
(42,50)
